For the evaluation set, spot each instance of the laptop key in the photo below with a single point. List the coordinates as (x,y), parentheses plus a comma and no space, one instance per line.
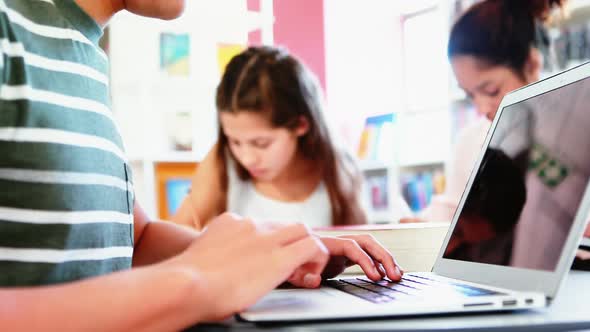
(360,292)
(414,280)
(374,287)
(413,285)
(421,277)
(391,286)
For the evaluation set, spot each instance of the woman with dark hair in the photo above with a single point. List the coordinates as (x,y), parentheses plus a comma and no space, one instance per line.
(493,49)
(275,159)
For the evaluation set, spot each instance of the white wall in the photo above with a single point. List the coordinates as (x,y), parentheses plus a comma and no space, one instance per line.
(141,91)
(363,66)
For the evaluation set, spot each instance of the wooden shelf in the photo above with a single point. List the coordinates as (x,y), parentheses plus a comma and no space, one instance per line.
(374,165)
(175,157)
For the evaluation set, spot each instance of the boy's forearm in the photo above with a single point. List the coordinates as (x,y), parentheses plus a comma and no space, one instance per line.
(161,240)
(146,299)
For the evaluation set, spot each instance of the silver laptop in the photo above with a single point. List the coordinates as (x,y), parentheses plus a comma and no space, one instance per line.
(514,235)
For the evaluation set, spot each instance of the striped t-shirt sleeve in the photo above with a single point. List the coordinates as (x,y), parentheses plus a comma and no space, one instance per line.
(66,194)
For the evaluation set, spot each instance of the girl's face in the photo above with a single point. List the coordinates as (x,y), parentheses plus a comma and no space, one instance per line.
(486,85)
(263,150)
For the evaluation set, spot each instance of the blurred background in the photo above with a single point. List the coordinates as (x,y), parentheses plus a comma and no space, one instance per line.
(382,64)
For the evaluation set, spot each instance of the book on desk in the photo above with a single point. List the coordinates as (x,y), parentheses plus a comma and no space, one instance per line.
(414,246)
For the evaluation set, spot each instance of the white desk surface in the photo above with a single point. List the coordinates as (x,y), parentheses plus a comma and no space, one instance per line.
(570,311)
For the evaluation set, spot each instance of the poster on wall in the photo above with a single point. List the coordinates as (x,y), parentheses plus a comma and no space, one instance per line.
(176,190)
(225,52)
(174,53)
(173,182)
(179,125)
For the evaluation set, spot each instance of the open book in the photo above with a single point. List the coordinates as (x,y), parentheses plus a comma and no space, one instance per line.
(414,246)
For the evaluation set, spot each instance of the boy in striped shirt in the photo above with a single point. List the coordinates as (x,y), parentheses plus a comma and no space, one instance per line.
(70,228)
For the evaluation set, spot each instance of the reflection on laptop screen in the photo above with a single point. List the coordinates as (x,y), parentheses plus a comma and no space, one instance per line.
(530,183)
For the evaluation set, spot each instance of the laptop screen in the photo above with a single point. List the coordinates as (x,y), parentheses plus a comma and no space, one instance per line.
(529,185)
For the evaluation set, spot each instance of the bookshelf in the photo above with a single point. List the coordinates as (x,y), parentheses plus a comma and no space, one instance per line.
(425,124)
(391,192)
(400,157)
(433,108)
(373,165)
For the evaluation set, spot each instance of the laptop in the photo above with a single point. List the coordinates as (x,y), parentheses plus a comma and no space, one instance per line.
(515,232)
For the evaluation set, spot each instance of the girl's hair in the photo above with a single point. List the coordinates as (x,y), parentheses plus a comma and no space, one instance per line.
(271,82)
(501,32)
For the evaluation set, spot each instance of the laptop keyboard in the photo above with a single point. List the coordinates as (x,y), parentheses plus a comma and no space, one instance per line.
(411,286)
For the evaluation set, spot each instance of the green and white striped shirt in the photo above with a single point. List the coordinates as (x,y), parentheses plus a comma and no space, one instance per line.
(66,196)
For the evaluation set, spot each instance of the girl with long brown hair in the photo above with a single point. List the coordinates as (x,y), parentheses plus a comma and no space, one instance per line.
(275,158)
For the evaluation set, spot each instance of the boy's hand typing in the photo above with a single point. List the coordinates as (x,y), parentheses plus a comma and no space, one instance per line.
(346,251)
(236,262)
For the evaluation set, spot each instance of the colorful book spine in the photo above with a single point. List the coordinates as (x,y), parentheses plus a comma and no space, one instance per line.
(418,189)
(376,142)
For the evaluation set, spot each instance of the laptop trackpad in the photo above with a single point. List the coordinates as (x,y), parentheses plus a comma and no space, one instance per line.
(292,300)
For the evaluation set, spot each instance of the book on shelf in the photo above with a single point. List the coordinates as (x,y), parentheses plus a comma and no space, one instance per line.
(414,246)
(377,138)
(419,188)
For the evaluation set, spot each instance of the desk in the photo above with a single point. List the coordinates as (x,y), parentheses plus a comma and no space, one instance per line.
(570,311)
